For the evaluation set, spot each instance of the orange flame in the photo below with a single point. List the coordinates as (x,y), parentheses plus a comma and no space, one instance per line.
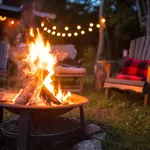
(40,56)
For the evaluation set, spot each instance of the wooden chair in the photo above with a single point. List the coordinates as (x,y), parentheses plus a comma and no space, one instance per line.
(69,72)
(140,50)
(4,61)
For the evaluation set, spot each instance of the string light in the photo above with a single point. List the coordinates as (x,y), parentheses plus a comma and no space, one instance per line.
(45,28)
(42,24)
(58,34)
(98,25)
(48,31)
(66,28)
(54,28)
(75,34)
(63,34)
(78,27)
(53,33)
(3,18)
(103,20)
(90,29)
(91,24)
(82,32)
(12,22)
(69,34)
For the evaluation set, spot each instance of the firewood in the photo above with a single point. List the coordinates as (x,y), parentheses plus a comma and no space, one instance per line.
(32,86)
(49,97)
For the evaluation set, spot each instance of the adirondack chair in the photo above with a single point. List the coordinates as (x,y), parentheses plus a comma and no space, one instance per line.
(69,71)
(139,50)
(3,60)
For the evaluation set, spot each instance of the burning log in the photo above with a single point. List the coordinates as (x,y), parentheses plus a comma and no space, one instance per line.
(49,97)
(28,91)
(33,85)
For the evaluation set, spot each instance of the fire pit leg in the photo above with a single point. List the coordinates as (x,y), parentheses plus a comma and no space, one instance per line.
(23,131)
(1,114)
(82,120)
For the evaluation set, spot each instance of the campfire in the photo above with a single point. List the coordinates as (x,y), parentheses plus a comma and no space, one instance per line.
(39,89)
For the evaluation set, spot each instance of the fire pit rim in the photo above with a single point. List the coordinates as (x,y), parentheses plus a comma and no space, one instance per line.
(75,96)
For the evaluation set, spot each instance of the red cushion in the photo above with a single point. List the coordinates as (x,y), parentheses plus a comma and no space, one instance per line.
(129,77)
(135,67)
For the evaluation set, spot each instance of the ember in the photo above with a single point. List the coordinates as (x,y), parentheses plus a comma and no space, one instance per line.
(39,89)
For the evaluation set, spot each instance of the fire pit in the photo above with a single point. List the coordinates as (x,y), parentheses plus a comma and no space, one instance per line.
(31,115)
(39,102)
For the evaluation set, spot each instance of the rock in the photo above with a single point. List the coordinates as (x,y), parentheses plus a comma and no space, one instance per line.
(92,129)
(99,136)
(88,145)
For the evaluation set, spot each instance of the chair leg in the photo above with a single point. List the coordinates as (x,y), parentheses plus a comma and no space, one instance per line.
(81,85)
(107,93)
(145,100)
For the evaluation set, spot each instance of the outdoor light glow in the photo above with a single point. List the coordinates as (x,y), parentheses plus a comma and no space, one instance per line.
(79,27)
(58,34)
(91,25)
(48,31)
(90,29)
(53,33)
(42,24)
(75,34)
(66,28)
(54,27)
(63,34)
(45,28)
(103,20)
(3,18)
(12,22)
(98,25)
(69,34)
(82,32)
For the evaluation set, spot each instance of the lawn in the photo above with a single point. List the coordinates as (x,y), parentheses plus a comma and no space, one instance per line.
(124,119)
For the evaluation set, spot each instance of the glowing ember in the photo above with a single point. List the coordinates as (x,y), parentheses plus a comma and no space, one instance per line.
(41,58)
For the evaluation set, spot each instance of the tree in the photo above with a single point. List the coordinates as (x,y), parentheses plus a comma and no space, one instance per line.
(143,7)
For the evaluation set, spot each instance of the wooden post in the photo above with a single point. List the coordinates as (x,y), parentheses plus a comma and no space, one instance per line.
(99,76)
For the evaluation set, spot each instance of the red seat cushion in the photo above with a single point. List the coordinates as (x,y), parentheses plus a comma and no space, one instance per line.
(135,67)
(129,77)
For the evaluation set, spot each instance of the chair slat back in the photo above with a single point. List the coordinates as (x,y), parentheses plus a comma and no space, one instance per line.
(140,48)
(3,55)
(68,48)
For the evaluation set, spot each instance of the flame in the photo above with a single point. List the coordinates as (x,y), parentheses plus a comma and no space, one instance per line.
(40,56)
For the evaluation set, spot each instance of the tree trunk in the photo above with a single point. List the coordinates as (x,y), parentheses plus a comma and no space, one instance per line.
(148,19)
(101,32)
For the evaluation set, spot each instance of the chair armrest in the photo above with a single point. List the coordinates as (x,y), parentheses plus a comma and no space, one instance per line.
(148,74)
(107,65)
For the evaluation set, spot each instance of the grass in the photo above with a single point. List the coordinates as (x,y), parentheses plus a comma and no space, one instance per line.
(123,118)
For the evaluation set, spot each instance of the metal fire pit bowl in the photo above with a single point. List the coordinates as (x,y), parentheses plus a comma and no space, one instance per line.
(50,111)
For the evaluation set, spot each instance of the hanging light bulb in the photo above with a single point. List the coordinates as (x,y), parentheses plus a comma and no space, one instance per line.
(58,34)
(63,34)
(98,25)
(12,22)
(54,27)
(45,28)
(78,27)
(66,28)
(75,34)
(103,20)
(82,32)
(53,33)
(91,24)
(48,31)
(69,34)
(90,29)
(42,24)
